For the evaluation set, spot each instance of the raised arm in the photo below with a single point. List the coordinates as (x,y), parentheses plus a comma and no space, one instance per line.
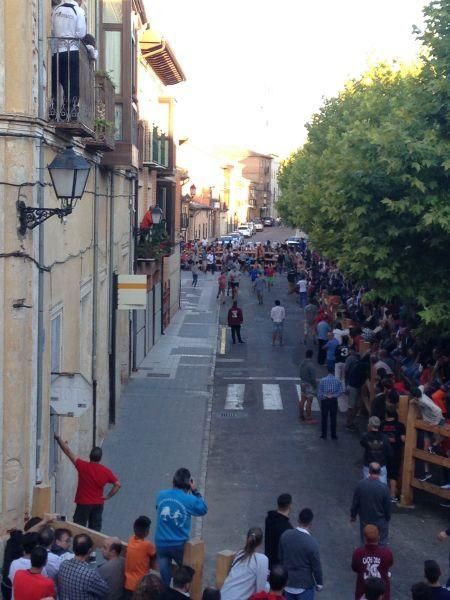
(65,448)
(113,491)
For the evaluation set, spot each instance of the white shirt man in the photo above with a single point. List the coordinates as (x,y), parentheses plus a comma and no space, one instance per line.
(68,21)
(302,286)
(277,314)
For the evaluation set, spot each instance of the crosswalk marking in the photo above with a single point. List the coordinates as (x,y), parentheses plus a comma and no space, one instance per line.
(235,396)
(272,396)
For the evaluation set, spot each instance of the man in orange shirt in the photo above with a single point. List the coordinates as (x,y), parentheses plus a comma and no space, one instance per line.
(140,555)
(30,584)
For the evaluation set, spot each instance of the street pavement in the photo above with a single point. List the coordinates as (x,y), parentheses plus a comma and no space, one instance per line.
(232,417)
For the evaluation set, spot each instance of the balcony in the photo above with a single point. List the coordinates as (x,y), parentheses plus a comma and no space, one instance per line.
(156,148)
(71,104)
(153,244)
(104,114)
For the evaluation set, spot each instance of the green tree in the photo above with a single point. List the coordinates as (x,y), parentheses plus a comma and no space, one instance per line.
(371,184)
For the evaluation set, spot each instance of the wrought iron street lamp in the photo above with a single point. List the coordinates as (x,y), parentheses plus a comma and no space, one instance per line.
(69,173)
(157,215)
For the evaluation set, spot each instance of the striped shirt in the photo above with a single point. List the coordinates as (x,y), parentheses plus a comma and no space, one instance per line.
(330,387)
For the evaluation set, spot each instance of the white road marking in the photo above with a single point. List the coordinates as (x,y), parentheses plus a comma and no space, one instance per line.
(315,407)
(223,339)
(272,397)
(235,396)
(229,360)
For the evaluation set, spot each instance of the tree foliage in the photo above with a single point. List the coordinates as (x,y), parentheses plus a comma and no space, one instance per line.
(371,184)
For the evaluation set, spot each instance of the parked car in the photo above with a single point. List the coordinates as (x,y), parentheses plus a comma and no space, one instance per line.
(225,239)
(294,241)
(259,226)
(268,222)
(244,229)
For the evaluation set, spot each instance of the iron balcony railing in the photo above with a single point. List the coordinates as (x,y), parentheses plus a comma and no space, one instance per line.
(156,147)
(71,104)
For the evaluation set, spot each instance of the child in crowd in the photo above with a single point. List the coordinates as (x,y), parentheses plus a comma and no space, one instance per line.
(140,555)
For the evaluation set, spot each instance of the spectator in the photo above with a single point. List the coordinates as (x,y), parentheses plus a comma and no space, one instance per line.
(372,502)
(277,521)
(396,434)
(140,554)
(278,577)
(181,585)
(374,589)
(30,584)
(62,543)
(13,551)
(174,510)
(421,591)
(330,349)
(113,569)
(372,560)
(235,320)
(329,391)
(210,593)
(322,329)
(249,570)
(356,375)
(76,580)
(308,387)
(149,588)
(29,542)
(299,554)
(92,478)
(376,448)
(46,539)
(432,574)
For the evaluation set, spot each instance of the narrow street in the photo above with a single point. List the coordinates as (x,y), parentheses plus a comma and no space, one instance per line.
(175,413)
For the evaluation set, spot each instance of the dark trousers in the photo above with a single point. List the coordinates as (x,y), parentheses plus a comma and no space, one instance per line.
(89,515)
(236,331)
(66,72)
(321,353)
(329,406)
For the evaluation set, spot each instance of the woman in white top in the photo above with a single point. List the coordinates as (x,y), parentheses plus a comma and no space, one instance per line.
(249,570)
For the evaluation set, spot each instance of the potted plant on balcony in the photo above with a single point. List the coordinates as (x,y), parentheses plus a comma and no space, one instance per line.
(153,244)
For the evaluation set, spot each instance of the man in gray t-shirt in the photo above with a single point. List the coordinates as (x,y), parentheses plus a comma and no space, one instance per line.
(113,570)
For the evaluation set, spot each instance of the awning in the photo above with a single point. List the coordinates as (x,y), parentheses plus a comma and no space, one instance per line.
(161,58)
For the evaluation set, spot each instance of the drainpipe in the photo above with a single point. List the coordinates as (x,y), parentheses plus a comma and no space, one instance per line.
(41,257)
(94,311)
(112,310)
(134,234)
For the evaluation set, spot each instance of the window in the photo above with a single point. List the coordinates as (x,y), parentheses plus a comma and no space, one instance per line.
(56,344)
(113,58)
(112,11)
(118,122)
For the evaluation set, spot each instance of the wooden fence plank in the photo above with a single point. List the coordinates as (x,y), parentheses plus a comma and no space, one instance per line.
(194,556)
(408,461)
(223,565)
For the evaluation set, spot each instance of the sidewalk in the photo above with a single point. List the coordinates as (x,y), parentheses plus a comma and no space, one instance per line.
(165,411)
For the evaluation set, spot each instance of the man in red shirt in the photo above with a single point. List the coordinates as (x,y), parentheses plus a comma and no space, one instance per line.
(92,478)
(30,584)
(235,320)
(372,560)
(277,580)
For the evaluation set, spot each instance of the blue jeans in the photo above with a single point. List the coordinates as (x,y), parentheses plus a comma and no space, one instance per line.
(165,556)
(383,474)
(308,594)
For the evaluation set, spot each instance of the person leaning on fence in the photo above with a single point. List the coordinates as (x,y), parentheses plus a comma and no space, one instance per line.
(249,569)
(69,26)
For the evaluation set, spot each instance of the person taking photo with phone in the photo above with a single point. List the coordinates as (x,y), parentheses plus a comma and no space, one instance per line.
(175,507)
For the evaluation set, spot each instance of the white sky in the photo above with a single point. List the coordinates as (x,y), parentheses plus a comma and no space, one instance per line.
(258,69)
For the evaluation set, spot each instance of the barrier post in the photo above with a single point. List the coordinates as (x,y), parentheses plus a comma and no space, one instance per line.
(194,556)
(406,498)
(224,561)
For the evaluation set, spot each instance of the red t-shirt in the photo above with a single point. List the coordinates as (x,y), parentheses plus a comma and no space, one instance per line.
(32,586)
(92,478)
(265,596)
(372,560)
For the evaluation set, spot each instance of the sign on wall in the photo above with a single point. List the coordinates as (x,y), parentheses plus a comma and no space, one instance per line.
(132,292)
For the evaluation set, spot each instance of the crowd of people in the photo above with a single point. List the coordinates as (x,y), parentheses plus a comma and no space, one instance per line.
(44,562)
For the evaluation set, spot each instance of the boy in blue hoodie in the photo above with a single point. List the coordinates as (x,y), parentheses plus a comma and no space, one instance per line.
(174,510)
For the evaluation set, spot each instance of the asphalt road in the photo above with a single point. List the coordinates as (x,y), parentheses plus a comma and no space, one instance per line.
(261,450)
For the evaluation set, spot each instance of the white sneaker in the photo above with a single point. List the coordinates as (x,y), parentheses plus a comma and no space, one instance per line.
(445,486)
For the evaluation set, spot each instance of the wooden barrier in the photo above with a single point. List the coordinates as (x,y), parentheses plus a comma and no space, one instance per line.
(194,556)
(75,529)
(412,453)
(42,501)
(224,561)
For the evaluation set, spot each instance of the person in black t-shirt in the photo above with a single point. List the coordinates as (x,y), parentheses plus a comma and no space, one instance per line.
(396,434)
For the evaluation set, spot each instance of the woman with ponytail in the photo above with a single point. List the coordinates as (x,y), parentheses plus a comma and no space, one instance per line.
(249,570)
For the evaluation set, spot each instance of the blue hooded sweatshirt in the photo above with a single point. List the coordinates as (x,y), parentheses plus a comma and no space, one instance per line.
(174,510)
